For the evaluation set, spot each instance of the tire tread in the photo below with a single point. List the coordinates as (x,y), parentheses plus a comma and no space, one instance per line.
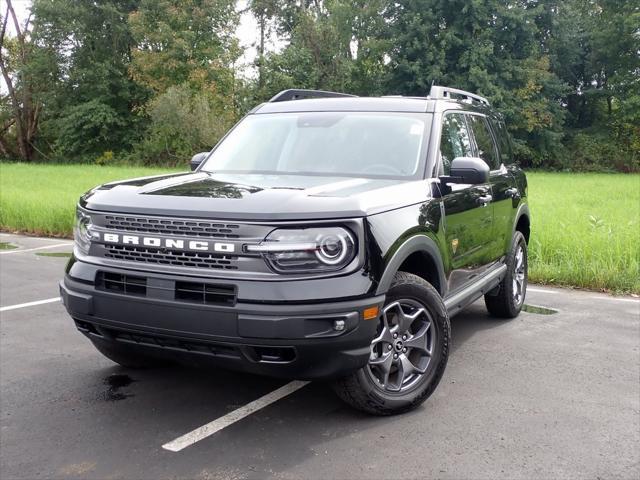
(501,305)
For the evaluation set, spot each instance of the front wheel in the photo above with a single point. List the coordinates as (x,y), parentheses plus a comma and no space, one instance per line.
(507,300)
(408,355)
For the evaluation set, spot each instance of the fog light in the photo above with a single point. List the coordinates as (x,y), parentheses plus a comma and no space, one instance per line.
(338,325)
(370,313)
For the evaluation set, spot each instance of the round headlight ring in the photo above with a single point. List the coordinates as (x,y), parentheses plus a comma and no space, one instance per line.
(333,249)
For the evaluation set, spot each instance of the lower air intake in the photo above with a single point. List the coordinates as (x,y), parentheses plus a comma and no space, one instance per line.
(121,283)
(205,293)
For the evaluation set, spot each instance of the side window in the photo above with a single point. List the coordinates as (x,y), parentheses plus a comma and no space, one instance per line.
(504,142)
(454,140)
(487,150)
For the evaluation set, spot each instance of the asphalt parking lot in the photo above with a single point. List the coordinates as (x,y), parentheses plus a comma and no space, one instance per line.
(541,396)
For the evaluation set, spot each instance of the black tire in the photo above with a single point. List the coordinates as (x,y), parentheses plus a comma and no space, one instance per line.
(128,358)
(363,392)
(503,301)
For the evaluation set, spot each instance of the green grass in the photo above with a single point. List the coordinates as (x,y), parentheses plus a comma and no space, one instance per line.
(585,230)
(41,199)
(585,227)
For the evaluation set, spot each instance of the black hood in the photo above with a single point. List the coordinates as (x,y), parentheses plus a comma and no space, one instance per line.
(255,197)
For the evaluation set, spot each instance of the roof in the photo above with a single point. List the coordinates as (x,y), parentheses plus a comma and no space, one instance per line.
(297,100)
(347,104)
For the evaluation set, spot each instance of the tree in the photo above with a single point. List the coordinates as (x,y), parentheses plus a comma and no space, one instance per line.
(264,11)
(182,123)
(91,96)
(333,44)
(596,50)
(490,47)
(88,77)
(21,109)
(185,53)
(185,41)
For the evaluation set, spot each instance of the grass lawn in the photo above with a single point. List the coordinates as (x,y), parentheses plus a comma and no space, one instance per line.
(585,230)
(585,227)
(41,199)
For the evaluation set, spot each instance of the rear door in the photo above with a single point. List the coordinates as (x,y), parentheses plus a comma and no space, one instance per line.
(468,212)
(502,183)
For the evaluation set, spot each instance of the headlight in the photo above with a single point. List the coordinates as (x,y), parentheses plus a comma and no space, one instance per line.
(82,231)
(307,250)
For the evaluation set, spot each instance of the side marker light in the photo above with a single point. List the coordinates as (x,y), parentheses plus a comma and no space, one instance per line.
(371,313)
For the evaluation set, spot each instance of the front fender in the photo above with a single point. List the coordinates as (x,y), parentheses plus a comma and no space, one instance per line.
(417,243)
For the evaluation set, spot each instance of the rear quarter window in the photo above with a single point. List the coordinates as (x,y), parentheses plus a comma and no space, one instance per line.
(485,143)
(503,140)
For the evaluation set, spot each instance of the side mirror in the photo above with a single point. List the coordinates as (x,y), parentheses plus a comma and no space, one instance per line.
(197,159)
(468,170)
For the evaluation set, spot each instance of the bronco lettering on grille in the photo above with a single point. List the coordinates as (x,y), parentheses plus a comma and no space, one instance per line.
(200,245)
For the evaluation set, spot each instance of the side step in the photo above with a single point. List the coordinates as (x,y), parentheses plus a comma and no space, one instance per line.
(471,293)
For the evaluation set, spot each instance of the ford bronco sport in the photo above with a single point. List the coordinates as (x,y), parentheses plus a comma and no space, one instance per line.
(326,236)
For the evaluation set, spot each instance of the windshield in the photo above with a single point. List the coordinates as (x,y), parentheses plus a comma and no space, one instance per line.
(354,144)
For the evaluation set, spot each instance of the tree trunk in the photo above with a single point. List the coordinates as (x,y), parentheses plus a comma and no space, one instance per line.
(25,113)
(262,20)
(3,149)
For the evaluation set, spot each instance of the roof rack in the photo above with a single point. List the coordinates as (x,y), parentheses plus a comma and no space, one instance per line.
(439,93)
(298,94)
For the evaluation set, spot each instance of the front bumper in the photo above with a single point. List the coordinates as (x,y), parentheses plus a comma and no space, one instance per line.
(288,340)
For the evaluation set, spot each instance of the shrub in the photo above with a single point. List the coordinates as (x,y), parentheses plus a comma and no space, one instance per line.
(183,123)
(594,151)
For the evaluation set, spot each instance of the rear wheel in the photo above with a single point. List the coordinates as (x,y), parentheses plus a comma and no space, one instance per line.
(509,298)
(408,355)
(128,358)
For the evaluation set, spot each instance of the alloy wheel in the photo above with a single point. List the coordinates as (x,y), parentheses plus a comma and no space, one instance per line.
(402,351)
(519,275)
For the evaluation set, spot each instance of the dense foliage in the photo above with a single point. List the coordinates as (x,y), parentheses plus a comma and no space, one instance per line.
(153,81)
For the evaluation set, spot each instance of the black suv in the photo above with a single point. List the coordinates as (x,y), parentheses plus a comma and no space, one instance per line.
(326,236)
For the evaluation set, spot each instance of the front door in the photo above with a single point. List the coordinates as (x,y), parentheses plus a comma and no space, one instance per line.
(468,212)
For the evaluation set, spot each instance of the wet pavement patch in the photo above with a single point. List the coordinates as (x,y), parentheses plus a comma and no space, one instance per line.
(539,310)
(54,254)
(7,246)
(115,382)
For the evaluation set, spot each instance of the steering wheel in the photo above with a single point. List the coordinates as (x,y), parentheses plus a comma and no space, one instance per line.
(381,169)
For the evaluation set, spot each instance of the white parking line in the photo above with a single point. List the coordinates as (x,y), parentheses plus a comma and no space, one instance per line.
(615,299)
(540,290)
(29,304)
(6,252)
(632,300)
(209,429)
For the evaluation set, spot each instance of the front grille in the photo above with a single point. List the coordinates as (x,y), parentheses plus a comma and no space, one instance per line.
(205,293)
(172,240)
(171,257)
(193,228)
(124,284)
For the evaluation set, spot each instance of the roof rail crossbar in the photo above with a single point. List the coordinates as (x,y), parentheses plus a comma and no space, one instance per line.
(299,94)
(438,92)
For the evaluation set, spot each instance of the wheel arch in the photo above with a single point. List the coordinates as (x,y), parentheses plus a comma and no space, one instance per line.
(419,255)
(523,222)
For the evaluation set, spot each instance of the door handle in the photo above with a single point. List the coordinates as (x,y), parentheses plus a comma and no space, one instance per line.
(484,200)
(512,192)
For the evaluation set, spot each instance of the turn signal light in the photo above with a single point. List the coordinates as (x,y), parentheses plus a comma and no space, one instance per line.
(371,313)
